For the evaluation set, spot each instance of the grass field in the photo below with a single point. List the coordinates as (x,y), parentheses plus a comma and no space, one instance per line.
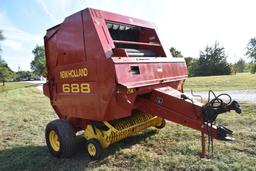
(25,112)
(239,81)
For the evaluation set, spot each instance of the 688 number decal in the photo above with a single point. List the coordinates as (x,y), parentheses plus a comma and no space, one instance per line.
(76,88)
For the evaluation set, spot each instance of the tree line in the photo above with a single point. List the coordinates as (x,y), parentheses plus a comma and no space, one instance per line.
(212,61)
(5,71)
(37,66)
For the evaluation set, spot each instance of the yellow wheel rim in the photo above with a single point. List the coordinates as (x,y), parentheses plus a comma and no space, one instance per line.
(160,121)
(54,140)
(91,149)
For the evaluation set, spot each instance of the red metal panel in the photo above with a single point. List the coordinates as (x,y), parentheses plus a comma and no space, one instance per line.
(122,59)
(73,70)
(125,19)
(101,34)
(136,43)
(149,73)
(70,41)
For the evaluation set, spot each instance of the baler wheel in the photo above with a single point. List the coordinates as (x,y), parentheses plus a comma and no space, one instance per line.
(94,149)
(162,125)
(60,138)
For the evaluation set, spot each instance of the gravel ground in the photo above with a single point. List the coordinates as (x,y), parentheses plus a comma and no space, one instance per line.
(239,95)
(38,83)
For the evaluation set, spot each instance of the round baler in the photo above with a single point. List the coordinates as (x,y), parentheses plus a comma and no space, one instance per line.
(109,76)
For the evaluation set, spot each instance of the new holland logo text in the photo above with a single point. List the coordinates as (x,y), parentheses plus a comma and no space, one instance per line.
(74,73)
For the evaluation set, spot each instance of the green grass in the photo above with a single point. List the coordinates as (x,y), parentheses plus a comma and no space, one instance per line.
(14,85)
(239,81)
(25,112)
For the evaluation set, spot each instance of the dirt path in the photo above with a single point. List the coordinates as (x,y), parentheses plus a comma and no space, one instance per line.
(38,83)
(239,95)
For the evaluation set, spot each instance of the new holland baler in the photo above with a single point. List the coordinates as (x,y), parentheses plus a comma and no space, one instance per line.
(109,76)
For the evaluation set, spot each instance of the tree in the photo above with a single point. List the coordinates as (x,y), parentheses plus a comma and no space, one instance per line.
(212,61)
(1,35)
(253,68)
(175,53)
(1,38)
(38,64)
(24,75)
(251,53)
(251,49)
(5,72)
(191,65)
(239,66)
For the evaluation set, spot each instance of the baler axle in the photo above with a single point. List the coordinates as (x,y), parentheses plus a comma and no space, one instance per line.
(107,133)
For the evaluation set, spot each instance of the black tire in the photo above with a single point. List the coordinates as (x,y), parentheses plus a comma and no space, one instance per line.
(97,148)
(66,138)
(162,124)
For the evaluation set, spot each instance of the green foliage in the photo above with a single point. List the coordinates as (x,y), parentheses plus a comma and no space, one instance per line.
(38,64)
(1,38)
(6,74)
(253,68)
(251,53)
(251,49)
(25,75)
(212,61)
(1,35)
(191,65)
(239,66)
(175,53)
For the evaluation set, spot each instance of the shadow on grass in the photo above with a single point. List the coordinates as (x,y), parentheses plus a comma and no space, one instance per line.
(34,85)
(6,89)
(38,158)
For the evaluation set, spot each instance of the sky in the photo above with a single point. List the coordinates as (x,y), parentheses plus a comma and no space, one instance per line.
(187,25)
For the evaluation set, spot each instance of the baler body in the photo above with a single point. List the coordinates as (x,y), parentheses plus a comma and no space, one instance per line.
(94,57)
(110,76)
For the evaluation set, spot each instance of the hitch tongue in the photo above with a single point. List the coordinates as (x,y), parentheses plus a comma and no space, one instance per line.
(235,106)
(223,133)
(216,106)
